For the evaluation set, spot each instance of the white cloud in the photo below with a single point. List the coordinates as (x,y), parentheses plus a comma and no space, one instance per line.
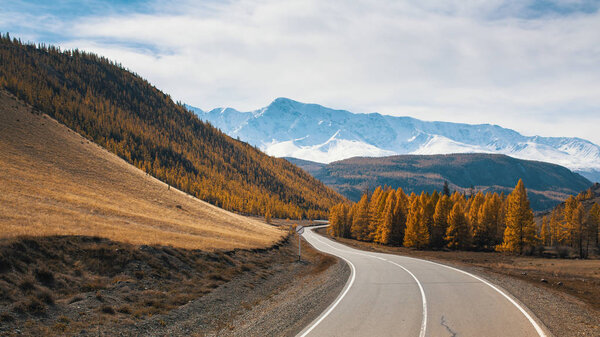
(463,61)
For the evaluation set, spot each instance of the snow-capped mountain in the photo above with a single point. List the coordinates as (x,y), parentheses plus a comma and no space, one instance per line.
(286,128)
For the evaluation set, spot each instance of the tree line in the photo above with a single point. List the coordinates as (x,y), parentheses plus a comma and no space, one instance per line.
(480,221)
(125,114)
(573,224)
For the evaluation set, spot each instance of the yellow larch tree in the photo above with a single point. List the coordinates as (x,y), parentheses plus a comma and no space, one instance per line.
(400,215)
(485,230)
(376,205)
(360,222)
(474,206)
(576,228)
(415,236)
(427,211)
(440,221)
(556,232)
(594,222)
(458,235)
(385,229)
(338,221)
(520,227)
(545,232)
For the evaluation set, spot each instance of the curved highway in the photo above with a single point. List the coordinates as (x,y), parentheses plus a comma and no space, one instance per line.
(392,295)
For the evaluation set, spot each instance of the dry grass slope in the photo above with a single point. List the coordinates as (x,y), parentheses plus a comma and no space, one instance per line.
(54,182)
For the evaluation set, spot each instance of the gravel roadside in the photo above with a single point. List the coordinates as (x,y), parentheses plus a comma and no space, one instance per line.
(277,302)
(563,314)
(116,289)
(289,311)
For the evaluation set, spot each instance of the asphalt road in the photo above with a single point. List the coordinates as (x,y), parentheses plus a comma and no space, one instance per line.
(391,295)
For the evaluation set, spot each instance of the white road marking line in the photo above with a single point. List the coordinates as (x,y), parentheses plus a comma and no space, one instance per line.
(533,322)
(339,299)
(352,251)
(424,300)
(537,327)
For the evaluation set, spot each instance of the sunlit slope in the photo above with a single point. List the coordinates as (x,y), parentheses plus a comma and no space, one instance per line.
(128,116)
(54,182)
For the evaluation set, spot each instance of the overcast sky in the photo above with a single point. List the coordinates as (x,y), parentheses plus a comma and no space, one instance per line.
(533,66)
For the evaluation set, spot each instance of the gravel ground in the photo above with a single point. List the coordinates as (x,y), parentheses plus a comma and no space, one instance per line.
(563,314)
(278,304)
(289,311)
(243,293)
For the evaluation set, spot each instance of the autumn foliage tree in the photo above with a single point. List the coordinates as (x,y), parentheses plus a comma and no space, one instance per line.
(440,222)
(593,223)
(338,221)
(384,234)
(520,229)
(360,221)
(545,232)
(573,224)
(487,221)
(458,235)
(416,234)
(488,229)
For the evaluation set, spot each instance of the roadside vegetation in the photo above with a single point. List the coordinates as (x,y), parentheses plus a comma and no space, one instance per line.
(81,285)
(480,221)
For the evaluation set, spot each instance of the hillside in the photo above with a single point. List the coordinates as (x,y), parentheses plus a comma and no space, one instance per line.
(128,116)
(287,128)
(547,184)
(91,245)
(55,182)
(588,198)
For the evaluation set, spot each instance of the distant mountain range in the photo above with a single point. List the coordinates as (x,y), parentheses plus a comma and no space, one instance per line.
(547,184)
(286,128)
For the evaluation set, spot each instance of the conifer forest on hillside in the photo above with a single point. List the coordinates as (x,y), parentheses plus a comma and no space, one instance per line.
(125,114)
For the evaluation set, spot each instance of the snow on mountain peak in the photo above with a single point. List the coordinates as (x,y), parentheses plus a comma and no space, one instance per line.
(287,128)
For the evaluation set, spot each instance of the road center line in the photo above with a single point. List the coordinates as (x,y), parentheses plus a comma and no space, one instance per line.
(339,299)
(424,300)
(533,322)
(537,327)
(423,330)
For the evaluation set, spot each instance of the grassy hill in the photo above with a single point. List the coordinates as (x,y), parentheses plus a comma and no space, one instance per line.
(547,184)
(55,182)
(128,116)
(91,245)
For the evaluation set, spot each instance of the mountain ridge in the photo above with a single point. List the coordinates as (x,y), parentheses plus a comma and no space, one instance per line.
(548,184)
(288,128)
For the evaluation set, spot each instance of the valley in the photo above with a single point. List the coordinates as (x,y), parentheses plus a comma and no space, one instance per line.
(123,212)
